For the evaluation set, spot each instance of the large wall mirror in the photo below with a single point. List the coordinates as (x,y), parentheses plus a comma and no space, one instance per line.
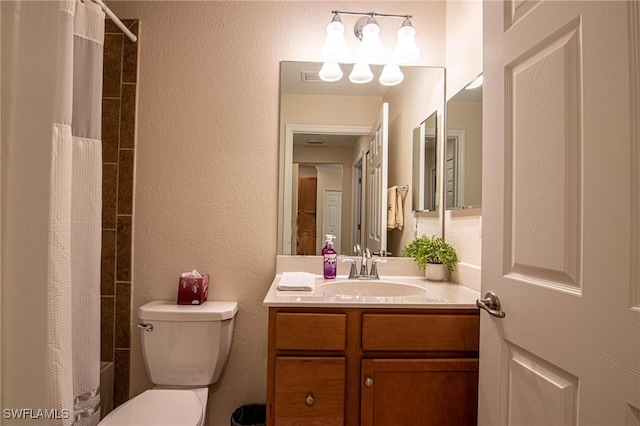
(342,146)
(463,153)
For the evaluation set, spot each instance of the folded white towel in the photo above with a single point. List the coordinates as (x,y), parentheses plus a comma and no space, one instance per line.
(296,281)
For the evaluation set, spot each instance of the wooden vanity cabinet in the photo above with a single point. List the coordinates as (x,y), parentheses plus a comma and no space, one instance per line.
(370,366)
(435,382)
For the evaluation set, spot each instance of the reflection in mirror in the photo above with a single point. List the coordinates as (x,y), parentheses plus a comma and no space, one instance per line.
(326,134)
(463,155)
(425,156)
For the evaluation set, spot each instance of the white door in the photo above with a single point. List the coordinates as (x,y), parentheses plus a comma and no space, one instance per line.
(356,205)
(560,214)
(332,216)
(377,167)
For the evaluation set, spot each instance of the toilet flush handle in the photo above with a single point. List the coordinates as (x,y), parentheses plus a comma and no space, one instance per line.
(145,327)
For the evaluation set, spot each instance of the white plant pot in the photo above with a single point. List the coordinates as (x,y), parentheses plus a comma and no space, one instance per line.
(435,272)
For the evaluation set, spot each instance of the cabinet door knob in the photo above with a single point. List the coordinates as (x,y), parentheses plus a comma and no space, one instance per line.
(309,400)
(368,382)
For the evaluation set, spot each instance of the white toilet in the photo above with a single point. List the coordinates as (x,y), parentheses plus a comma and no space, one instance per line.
(185,348)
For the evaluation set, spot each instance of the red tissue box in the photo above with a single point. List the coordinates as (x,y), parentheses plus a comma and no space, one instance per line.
(192,290)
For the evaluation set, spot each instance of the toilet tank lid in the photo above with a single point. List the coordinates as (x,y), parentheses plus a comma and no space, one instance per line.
(165,310)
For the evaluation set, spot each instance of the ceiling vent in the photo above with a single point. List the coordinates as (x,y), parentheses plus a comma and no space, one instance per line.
(310,77)
(315,141)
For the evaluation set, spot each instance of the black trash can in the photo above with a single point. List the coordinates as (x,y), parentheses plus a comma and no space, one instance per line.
(250,415)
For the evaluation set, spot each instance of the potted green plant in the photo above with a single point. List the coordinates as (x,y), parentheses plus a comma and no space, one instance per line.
(433,255)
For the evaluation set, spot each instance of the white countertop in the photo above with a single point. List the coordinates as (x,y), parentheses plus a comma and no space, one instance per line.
(343,292)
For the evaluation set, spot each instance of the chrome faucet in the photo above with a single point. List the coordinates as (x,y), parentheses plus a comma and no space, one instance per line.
(366,255)
(365,272)
(373,273)
(353,273)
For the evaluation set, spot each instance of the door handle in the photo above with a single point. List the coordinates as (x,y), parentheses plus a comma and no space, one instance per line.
(491,304)
(145,327)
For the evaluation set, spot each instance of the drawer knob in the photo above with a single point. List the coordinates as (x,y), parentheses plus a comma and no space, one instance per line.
(368,382)
(309,400)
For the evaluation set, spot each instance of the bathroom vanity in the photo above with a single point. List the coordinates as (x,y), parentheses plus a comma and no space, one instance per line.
(351,358)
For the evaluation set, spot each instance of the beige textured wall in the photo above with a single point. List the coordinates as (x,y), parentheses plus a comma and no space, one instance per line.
(207,159)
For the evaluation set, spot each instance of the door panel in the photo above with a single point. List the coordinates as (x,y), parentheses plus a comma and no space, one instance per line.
(403,392)
(306,233)
(332,217)
(543,142)
(551,393)
(558,223)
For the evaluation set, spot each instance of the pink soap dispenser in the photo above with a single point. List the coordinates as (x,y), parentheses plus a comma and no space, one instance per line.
(329,258)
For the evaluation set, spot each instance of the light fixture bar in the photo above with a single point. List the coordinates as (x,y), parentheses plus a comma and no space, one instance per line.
(372,14)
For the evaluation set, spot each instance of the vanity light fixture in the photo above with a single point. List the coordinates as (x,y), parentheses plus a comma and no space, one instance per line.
(391,75)
(406,49)
(330,72)
(371,51)
(335,47)
(361,74)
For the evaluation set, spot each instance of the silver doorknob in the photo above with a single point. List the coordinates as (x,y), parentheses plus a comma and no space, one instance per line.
(491,304)
(368,382)
(309,400)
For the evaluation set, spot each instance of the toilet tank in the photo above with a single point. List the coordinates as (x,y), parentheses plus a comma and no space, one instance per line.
(186,345)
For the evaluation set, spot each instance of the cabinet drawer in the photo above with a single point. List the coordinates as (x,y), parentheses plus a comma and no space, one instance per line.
(309,391)
(420,332)
(311,331)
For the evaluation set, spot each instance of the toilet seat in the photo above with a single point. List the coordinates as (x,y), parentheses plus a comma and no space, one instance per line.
(158,407)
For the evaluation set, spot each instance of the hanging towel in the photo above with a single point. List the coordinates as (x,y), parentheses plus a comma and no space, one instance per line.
(392,205)
(395,208)
(400,196)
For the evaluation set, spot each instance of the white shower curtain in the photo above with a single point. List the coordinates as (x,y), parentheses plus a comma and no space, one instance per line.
(52,78)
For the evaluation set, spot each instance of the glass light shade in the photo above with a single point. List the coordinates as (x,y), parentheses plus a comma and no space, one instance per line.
(477,82)
(335,47)
(406,48)
(330,72)
(371,49)
(361,74)
(391,75)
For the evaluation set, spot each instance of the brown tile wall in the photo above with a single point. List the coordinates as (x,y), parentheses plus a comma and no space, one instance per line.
(118,161)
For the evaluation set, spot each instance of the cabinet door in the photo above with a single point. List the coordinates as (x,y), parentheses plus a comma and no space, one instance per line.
(419,392)
(309,391)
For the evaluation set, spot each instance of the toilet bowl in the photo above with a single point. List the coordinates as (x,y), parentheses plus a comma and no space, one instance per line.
(184,348)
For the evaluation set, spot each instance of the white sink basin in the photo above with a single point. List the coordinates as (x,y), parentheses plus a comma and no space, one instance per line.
(376,288)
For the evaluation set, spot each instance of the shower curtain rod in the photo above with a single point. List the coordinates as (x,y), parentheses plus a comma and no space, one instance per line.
(116,20)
